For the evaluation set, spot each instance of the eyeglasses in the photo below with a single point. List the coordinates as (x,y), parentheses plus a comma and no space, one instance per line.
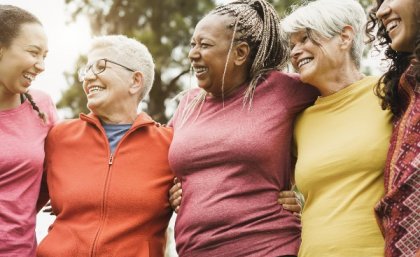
(97,67)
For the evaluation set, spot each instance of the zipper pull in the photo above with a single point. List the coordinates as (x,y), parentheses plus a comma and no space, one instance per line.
(111,158)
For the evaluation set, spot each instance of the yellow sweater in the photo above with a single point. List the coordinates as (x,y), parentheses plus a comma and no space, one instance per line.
(342,141)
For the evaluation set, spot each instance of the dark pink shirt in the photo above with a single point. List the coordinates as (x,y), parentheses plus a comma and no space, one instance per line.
(232,163)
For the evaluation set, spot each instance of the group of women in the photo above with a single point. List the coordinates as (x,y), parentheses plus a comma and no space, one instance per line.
(349,141)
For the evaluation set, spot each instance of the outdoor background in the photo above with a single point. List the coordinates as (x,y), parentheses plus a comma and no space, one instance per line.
(165,26)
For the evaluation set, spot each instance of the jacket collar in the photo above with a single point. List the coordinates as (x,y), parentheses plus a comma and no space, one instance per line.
(142,120)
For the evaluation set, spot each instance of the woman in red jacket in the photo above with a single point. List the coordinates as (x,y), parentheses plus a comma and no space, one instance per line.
(107,172)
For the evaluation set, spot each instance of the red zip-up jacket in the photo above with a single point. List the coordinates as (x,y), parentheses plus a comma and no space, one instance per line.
(107,204)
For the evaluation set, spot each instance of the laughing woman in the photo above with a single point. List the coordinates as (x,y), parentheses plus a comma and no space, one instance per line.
(342,140)
(232,137)
(26,116)
(398,27)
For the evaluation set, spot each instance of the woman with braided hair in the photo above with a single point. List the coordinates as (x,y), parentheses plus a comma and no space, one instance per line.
(25,119)
(232,137)
(398,24)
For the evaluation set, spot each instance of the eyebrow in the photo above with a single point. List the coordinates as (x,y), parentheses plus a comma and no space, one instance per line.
(37,47)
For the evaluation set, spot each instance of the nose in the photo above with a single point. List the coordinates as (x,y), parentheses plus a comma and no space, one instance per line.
(193,54)
(383,10)
(40,65)
(295,52)
(89,75)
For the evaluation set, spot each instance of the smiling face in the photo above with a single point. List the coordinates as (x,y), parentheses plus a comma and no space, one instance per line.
(209,51)
(313,60)
(399,19)
(23,60)
(109,91)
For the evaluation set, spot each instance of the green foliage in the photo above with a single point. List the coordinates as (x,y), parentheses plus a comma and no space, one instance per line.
(74,98)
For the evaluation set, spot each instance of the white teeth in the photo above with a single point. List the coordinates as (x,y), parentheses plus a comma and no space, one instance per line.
(391,25)
(29,76)
(95,89)
(303,62)
(200,69)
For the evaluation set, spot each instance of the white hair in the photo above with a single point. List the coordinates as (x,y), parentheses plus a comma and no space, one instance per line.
(328,18)
(131,53)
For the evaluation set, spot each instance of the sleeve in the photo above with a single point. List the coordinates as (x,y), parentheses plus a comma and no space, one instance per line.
(302,97)
(185,98)
(52,112)
(44,195)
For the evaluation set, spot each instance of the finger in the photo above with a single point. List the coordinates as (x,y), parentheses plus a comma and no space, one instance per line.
(176,209)
(286,194)
(297,214)
(287,201)
(291,207)
(177,201)
(174,188)
(176,180)
(175,195)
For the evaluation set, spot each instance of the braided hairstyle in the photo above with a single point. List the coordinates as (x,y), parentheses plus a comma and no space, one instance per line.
(399,62)
(11,20)
(257,23)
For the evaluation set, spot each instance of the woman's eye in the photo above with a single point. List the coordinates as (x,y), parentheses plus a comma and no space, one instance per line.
(204,45)
(304,39)
(34,53)
(192,45)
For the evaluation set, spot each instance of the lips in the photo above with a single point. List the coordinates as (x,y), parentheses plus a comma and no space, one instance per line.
(200,71)
(304,61)
(94,89)
(392,25)
(29,76)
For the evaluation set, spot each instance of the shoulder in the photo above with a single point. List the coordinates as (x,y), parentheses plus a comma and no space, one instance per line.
(284,78)
(289,85)
(39,96)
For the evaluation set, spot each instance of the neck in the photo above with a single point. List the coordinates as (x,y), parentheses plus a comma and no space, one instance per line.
(337,80)
(124,114)
(8,100)
(231,86)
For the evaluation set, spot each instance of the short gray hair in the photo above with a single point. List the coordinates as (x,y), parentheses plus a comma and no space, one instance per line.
(130,53)
(328,18)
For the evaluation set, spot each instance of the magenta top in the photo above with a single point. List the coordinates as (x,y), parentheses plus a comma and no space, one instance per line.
(22,135)
(232,163)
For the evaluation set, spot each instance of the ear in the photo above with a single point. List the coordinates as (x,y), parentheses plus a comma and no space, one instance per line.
(137,85)
(241,53)
(347,37)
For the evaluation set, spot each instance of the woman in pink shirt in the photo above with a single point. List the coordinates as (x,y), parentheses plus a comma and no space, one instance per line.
(232,137)
(25,119)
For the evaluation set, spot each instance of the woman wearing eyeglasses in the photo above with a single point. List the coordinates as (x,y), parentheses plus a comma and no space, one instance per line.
(107,172)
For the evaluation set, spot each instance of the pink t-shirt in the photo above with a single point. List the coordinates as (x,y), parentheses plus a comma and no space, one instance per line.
(22,135)
(232,164)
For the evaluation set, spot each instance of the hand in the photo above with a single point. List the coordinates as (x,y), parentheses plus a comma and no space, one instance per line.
(48,209)
(175,195)
(290,201)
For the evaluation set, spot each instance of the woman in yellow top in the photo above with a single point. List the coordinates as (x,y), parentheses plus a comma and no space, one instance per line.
(341,140)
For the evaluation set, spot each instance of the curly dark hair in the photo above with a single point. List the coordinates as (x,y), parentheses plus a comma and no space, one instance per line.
(399,62)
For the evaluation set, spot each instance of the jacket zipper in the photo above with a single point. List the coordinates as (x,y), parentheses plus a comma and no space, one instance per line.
(103,208)
(98,232)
